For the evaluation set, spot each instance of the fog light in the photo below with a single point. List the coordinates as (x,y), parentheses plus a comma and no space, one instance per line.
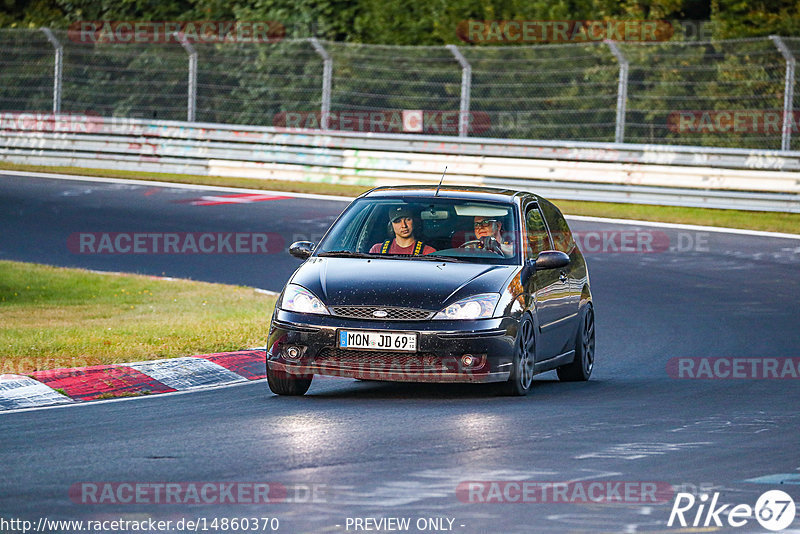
(468,360)
(292,353)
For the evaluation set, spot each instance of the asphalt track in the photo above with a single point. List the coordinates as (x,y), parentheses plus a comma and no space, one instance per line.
(396,450)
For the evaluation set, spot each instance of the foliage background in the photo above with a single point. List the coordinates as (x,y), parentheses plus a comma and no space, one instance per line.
(388,55)
(408,22)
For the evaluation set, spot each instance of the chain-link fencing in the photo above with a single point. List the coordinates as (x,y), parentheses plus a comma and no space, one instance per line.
(734,93)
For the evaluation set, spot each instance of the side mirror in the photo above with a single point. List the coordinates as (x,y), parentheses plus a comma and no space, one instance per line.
(527,271)
(551,259)
(548,259)
(301,249)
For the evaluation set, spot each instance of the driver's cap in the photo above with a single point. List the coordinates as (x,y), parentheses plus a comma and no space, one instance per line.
(398,212)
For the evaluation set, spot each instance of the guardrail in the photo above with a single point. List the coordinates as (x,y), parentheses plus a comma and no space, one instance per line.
(650,174)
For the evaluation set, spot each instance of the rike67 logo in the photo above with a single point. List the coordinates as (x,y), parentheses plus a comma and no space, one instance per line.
(774,510)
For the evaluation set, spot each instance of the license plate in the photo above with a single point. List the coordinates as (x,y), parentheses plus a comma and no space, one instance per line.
(366,339)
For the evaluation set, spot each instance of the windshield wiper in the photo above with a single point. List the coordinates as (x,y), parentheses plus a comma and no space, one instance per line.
(433,257)
(428,257)
(345,254)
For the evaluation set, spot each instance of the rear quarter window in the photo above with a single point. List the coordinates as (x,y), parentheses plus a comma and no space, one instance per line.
(536,231)
(559,229)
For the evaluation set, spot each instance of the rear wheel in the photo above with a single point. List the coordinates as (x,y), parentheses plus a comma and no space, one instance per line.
(519,383)
(282,383)
(581,367)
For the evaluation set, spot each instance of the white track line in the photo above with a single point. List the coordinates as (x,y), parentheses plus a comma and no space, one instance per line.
(138,398)
(719,229)
(76,177)
(173,279)
(171,185)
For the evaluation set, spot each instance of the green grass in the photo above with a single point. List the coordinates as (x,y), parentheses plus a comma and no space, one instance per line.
(121,395)
(752,220)
(769,221)
(55,317)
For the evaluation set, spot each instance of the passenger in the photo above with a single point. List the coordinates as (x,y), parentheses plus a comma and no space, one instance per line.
(402,229)
(488,228)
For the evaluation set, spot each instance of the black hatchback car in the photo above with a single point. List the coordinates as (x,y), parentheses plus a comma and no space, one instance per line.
(416,284)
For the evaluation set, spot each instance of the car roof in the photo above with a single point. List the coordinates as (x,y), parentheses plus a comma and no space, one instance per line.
(449,191)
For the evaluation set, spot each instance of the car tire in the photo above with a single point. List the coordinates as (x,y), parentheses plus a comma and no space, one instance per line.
(521,379)
(581,367)
(282,383)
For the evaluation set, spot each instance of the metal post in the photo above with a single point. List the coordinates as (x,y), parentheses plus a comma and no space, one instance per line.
(622,91)
(788,91)
(192,90)
(327,77)
(466,89)
(56,69)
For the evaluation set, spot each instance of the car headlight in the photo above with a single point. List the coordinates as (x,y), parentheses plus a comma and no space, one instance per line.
(301,300)
(475,307)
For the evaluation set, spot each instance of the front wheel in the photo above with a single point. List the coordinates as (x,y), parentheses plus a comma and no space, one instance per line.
(521,379)
(581,367)
(282,383)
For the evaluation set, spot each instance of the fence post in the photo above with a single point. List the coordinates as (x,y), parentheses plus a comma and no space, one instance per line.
(59,57)
(466,89)
(191,104)
(327,76)
(622,91)
(788,91)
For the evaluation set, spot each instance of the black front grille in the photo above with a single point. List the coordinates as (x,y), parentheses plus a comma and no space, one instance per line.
(392,314)
(384,361)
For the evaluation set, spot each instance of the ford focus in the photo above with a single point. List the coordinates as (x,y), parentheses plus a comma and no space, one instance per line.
(421,284)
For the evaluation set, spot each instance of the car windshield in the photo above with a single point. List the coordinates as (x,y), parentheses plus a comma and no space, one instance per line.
(426,229)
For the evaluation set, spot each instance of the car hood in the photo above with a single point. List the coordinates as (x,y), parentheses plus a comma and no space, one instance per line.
(398,282)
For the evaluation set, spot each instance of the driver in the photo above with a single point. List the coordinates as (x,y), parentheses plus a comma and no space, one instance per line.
(404,242)
(487,228)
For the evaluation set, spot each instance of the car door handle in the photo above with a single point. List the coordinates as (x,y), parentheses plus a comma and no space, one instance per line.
(563,276)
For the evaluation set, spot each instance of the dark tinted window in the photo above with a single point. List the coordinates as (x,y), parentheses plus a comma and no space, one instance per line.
(559,229)
(536,232)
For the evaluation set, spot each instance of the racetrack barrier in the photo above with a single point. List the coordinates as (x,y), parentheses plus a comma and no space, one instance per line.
(649,174)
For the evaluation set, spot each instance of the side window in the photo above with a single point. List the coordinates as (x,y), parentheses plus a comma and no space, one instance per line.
(562,237)
(536,232)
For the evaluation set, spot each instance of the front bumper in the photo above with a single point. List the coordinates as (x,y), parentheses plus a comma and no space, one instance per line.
(440,348)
